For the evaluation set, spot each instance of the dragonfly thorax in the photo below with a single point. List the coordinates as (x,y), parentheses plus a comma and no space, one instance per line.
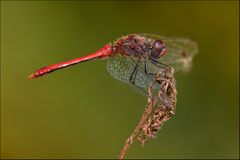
(139,47)
(133,46)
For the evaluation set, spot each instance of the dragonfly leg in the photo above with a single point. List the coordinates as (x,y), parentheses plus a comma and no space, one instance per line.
(159,64)
(134,73)
(166,70)
(146,70)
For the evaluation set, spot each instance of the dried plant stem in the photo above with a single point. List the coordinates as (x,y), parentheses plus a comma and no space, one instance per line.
(130,140)
(152,119)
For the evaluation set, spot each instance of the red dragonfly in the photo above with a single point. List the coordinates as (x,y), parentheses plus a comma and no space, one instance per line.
(136,58)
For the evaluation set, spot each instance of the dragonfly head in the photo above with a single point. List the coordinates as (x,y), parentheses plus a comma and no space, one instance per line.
(158,49)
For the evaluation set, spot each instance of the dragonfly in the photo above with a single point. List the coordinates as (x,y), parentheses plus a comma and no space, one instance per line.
(136,58)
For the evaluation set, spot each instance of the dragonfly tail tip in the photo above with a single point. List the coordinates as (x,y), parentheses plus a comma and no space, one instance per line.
(32,76)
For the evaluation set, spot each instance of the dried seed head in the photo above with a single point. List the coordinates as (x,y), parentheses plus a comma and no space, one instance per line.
(164,108)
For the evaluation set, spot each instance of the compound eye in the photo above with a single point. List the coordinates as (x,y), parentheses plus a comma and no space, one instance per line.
(158,49)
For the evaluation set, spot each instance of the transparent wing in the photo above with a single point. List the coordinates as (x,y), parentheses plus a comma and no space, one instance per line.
(180,51)
(179,56)
(121,67)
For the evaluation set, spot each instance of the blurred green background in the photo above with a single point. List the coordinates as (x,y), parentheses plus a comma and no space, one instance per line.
(81,112)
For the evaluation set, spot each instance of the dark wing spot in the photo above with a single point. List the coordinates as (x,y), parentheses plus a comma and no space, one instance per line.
(184,54)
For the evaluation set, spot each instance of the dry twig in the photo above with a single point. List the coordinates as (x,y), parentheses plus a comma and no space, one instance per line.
(159,109)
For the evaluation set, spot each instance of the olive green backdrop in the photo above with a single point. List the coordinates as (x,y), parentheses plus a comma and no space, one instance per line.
(81,112)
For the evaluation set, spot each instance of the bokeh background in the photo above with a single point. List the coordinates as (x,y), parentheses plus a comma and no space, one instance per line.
(81,112)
